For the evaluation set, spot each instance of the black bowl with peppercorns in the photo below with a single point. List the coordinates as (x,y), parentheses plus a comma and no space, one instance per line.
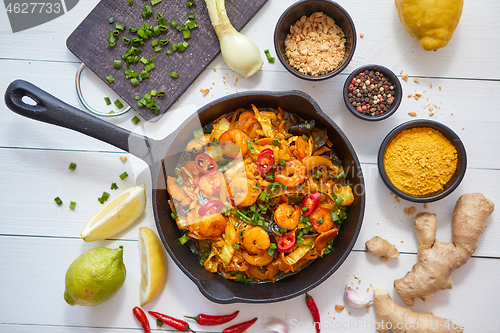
(372,92)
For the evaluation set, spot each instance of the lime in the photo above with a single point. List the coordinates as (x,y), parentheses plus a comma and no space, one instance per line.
(95,276)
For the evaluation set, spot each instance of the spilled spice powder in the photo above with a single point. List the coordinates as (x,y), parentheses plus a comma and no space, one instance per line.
(420,160)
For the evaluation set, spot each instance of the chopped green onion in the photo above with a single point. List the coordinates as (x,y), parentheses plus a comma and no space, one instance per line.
(335,217)
(72,166)
(184,239)
(72,205)
(186,34)
(135,120)
(120,26)
(283,229)
(198,133)
(190,3)
(250,146)
(107,100)
(111,20)
(158,49)
(58,201)
(174,74)
(320,220)
(159,323)
(270,59)
(114,186)
(179,180)
(147,11)
(118,104)
(305,137)
(154,43)
(164,42)
(173,23)
(131,2)
(282,162)
(155,2)
(276,142)
(305,208)
(236,246)
(339,200)
(161,19)
(191,24)
(308,126)
(340,175)
(144,75)
(123,175)
(117,64)
(134,82)
(317,174)
(137,98)
(132,29)
(110,78)
(174,215)
(161,93)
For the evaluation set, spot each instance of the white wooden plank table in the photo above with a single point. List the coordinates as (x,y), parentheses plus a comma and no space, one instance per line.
(38,239)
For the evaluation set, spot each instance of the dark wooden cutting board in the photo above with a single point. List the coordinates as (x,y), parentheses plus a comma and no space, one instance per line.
(89,42)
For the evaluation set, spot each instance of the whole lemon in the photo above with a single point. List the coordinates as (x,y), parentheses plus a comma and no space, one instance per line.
(432,22)
(95,276)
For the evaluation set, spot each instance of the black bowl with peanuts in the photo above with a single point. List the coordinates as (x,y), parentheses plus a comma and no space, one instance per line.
(372,92)
(315,39)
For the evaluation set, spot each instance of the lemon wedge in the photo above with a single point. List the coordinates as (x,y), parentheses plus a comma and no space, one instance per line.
(153,265)
(116,216)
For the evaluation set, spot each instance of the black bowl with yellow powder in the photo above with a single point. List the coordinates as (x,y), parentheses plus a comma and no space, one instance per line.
(422,161)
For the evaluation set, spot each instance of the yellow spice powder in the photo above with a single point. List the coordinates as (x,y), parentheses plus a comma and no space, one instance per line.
(420,160)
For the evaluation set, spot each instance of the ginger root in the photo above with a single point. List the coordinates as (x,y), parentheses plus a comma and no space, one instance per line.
(398,319)
(379,247)
(436,260)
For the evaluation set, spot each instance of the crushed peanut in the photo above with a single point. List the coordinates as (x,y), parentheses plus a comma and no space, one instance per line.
(339,307)
(416,80)
(412,114)
(315,45)
(123,158)
(439,88)
(405,77)
(410,95)
(361,35)
(204,91)
(417,96)
(410,210)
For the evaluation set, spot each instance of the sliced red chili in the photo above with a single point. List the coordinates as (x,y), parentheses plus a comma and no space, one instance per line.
(286,243)
(311,201)
(210,320)
(265,160)
(141,317)
(213,207)
(206,162)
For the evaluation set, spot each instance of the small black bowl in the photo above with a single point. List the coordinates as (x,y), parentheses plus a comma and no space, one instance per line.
(454,181)
(391,76)
(307,7)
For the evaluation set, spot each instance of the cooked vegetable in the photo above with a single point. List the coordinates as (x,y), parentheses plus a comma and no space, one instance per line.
(240,53)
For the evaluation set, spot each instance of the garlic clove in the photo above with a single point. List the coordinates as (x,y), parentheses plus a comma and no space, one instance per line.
(275,325)
(354,299)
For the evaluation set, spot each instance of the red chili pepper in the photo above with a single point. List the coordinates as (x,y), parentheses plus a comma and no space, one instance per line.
(141,317)
(314,311)
(286,243)
(213,206)
(204,167)
(312,202)
(178,324)
(241,327)
(208,320)
(265,160)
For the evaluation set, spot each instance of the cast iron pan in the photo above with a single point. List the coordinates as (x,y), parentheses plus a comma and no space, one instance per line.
(162,156)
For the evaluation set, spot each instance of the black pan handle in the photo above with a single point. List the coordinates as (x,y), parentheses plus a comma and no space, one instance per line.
(51,110)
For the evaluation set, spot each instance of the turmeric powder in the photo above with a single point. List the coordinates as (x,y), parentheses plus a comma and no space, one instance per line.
(420,160)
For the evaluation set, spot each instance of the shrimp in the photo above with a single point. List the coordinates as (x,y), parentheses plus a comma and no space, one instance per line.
(292,175)
(321,220)
(210,183)
(244,191)
(287,216)
(248,124)
(236,137)
(175,190)
(301,147)
(212,225)
(256,240)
